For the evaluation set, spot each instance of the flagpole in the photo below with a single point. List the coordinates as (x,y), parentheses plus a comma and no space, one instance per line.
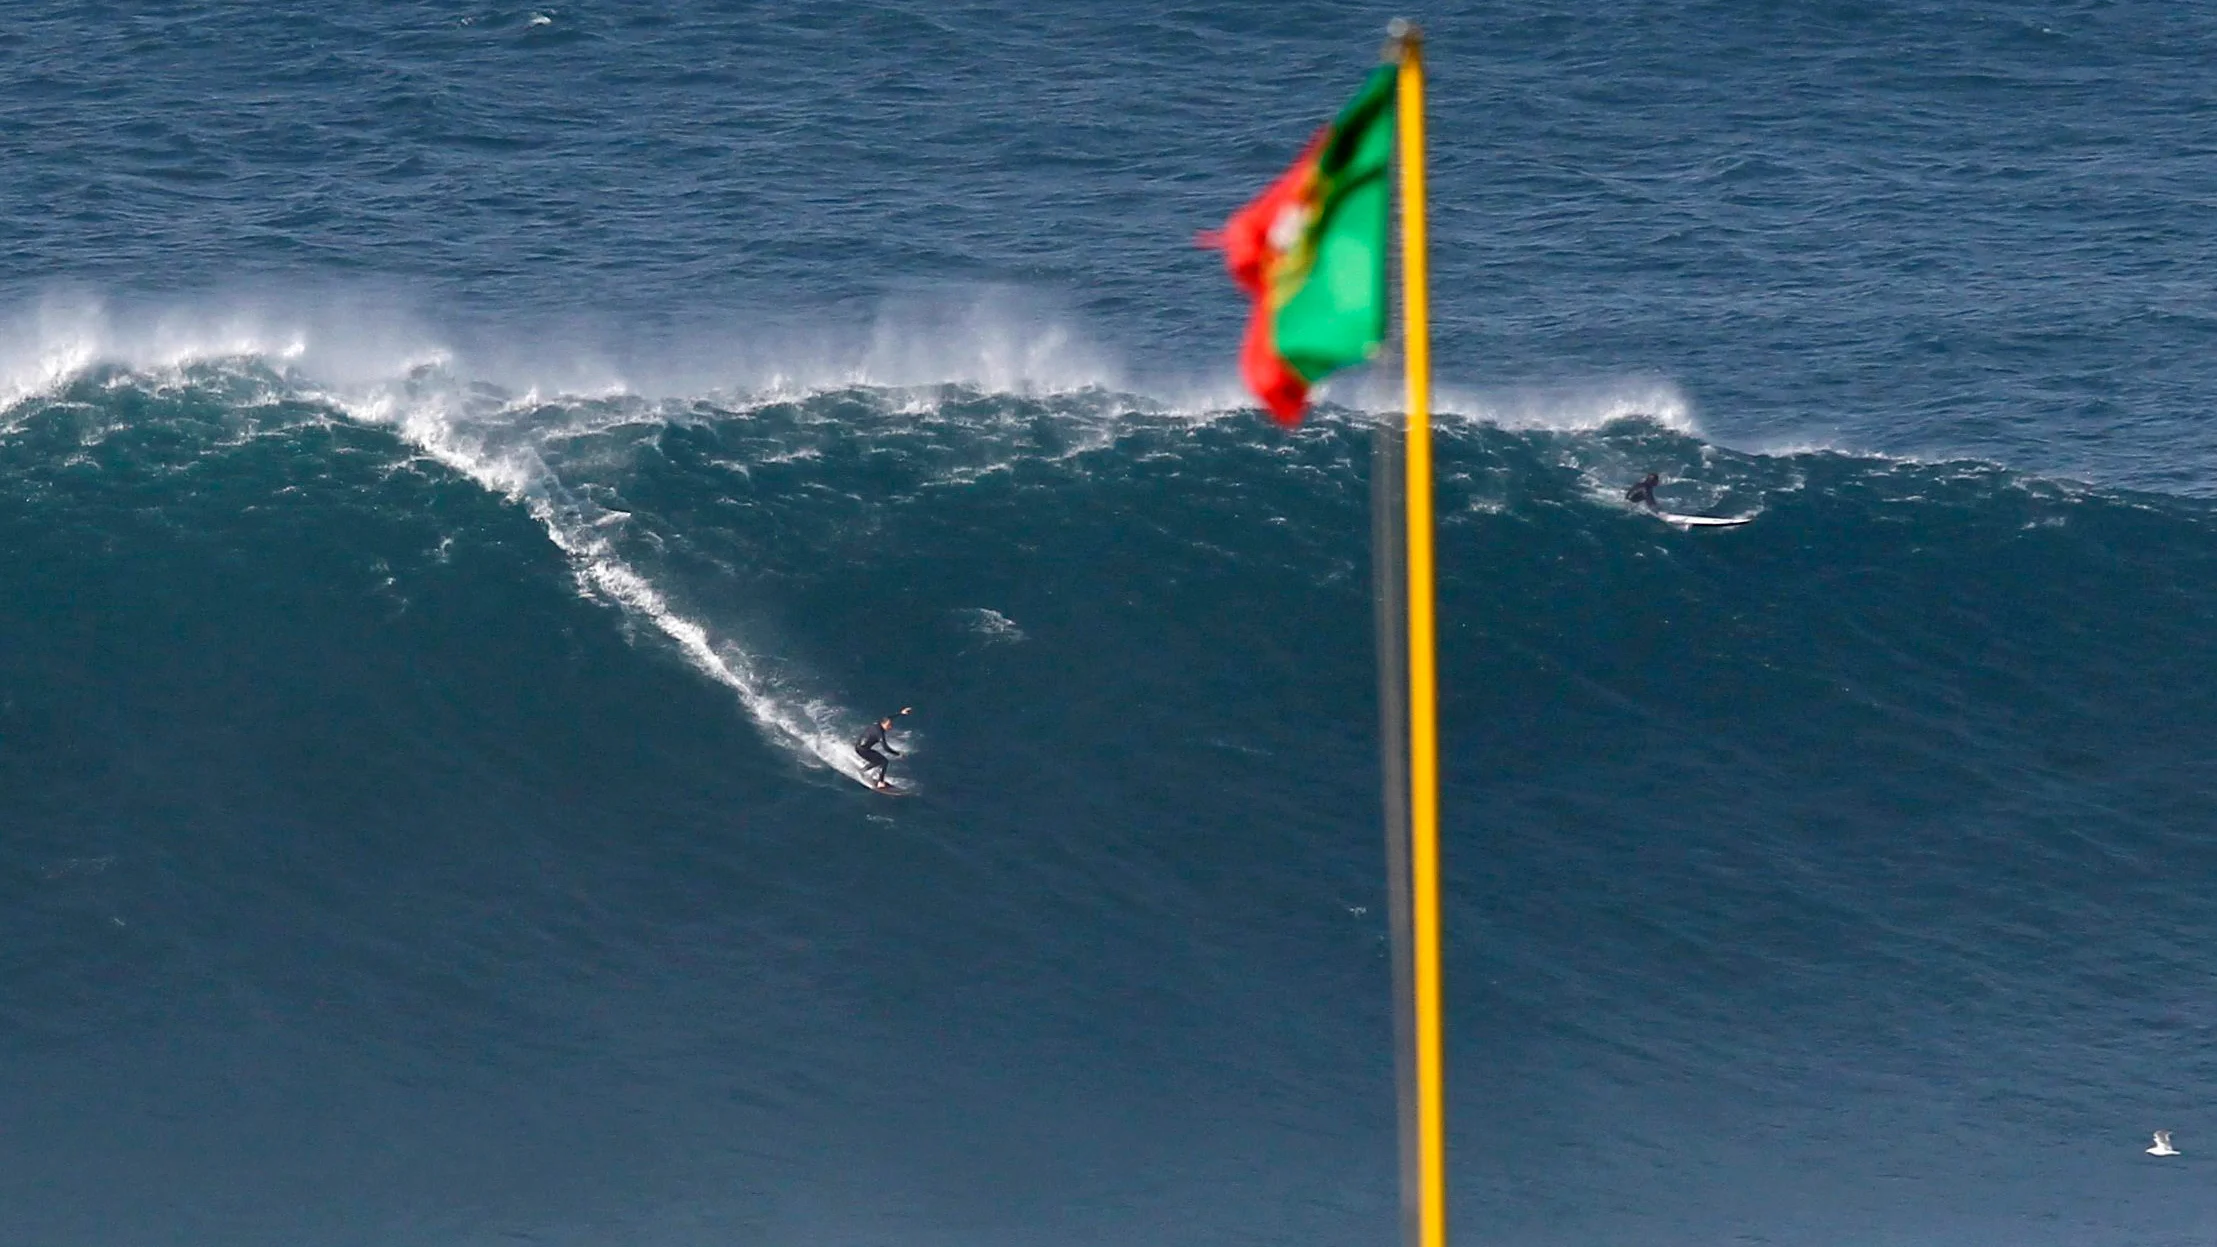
(1423,774)
(1390,587)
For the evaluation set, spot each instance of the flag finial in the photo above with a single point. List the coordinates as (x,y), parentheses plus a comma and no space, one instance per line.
(1401,36)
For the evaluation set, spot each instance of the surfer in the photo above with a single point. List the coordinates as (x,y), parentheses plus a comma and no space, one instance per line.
(1644,492)
(867,749)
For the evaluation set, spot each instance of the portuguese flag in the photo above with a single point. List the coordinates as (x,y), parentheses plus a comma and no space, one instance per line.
(1311,251)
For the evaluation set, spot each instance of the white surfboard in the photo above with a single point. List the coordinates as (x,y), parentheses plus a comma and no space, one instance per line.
(1702,521)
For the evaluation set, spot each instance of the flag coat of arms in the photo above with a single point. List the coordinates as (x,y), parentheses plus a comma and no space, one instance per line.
(1311,252)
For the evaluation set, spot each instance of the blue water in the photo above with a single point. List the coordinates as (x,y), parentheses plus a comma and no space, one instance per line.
(466,473)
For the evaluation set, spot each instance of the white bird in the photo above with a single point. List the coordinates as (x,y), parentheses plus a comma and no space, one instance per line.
(2163,1145)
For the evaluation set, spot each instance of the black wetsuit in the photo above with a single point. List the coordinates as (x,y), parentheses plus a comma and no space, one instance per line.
(867,750)
(1643,493)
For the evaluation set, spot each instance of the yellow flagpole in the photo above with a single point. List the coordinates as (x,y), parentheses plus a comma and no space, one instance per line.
(1424,884)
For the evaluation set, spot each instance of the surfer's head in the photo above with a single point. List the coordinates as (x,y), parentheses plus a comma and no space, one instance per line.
(887,721)
(1653,478)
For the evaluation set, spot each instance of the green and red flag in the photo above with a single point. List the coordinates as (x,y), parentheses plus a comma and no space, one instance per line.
(1311,251)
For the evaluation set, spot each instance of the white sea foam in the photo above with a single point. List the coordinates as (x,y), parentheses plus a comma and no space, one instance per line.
(56,338)
(991,624)
(1580,407)
(1001,341)
(42,347)
(996,340)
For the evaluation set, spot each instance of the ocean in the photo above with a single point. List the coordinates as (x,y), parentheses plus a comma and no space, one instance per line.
(468,473)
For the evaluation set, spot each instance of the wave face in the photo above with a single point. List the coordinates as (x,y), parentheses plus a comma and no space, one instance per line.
(469,765)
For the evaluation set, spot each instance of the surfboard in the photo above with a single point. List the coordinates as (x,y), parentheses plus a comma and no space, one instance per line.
(1703,521)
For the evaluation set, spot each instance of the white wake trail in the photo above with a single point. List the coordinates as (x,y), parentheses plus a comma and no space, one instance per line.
(809,728)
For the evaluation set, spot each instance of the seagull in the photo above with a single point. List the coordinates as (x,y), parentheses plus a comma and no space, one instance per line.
(2163,1145)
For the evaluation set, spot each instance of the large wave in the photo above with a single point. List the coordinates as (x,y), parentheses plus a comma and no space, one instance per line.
(1888,753)
(969,386)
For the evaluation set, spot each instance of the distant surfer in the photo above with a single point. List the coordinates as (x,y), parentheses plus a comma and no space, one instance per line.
(867,749)
(1644,492)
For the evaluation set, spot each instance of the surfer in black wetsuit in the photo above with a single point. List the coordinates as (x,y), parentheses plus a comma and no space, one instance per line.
(867,749)
(1644,492)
